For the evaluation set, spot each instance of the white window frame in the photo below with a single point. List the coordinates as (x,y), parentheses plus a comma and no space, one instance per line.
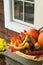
(17,20)
(18,27)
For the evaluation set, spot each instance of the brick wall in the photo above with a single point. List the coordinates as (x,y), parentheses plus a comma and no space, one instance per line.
(1,13)
(4,32)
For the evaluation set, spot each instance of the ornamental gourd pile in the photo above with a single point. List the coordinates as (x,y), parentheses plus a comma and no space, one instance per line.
(27,41)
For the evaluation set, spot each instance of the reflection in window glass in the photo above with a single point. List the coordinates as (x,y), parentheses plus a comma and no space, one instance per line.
(30,0)
(29,12)
(24,10)
(18,9)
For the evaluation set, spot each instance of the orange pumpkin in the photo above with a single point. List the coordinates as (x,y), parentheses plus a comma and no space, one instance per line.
(33,33)
(40,38)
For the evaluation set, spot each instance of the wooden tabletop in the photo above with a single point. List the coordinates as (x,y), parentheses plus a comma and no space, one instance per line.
(22,58)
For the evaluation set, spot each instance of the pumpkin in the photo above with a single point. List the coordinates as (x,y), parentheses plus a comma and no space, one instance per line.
(40,38)
(33,33)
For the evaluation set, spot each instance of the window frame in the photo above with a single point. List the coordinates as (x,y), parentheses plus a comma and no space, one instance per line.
(20,21)
(18,27)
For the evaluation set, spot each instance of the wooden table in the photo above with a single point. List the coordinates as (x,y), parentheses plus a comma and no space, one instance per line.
(18,58)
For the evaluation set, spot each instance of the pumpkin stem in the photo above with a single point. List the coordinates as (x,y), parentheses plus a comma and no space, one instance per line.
(40,29)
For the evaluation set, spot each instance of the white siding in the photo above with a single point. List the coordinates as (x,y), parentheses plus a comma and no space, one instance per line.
(38,13)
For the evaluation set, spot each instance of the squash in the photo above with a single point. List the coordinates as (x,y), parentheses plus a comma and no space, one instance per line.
(33,33)
(26,45)
(36,45)
(40,38)
(31,41)
(22,45)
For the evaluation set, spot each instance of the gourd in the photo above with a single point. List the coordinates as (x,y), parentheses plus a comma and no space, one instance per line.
(31,41)
(33,33)
(40,38)
(22,45)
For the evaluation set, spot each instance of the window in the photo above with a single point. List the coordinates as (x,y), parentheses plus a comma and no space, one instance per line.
(19,24)
(23,10)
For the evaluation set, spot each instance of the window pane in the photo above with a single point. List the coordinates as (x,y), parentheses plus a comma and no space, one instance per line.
(18,9)
(29,12)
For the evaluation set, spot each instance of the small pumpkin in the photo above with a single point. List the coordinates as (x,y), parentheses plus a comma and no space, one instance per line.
(33,33)
(40,38)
